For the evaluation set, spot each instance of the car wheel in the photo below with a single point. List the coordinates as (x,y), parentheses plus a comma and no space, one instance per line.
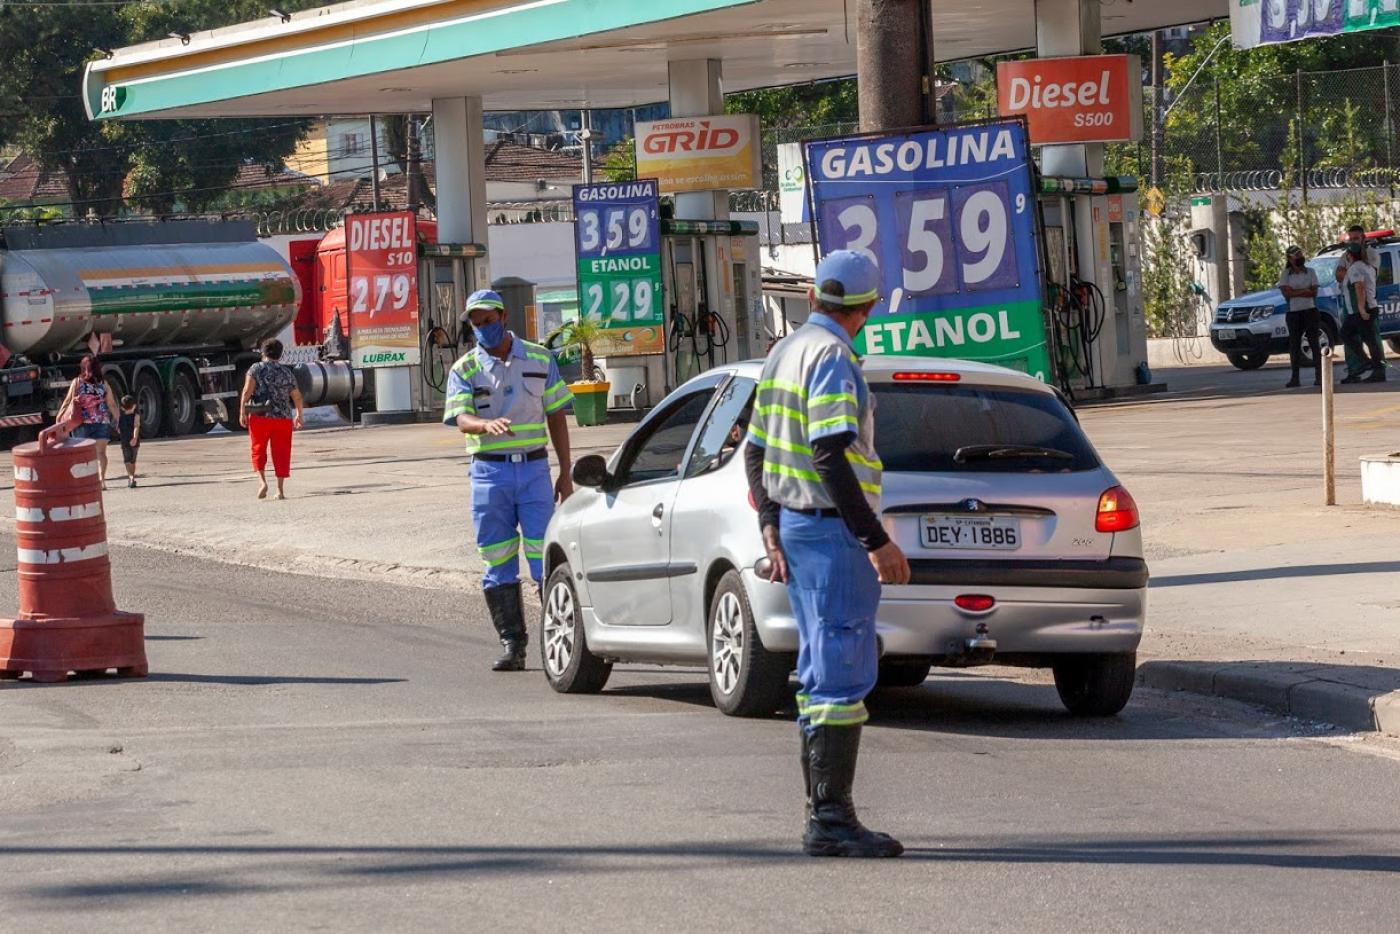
(902,673)
(1247,361)
(1326,339)
(1095,685)
(569,666)
(746,680)
(1393,343)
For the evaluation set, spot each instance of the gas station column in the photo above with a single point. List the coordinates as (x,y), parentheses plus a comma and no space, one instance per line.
(460,151)
(695,91)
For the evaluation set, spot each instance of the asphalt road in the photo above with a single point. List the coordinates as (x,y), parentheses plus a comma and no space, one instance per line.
(311,754)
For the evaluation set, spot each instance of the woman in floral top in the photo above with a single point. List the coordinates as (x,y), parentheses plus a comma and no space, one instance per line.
(90,398)
(270,407)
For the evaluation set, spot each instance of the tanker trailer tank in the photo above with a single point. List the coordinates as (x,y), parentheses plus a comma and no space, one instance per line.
(152,296)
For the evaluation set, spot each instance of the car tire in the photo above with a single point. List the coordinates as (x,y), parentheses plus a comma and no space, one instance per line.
(1247,361)
(568,664)
(1095,685)
(1393,343)
(746,680)
(902,673)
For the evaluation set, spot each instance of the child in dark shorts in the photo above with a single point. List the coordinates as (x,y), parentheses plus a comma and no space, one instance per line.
(129,430)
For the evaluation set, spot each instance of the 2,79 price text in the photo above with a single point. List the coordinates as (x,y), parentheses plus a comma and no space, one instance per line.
(389,291)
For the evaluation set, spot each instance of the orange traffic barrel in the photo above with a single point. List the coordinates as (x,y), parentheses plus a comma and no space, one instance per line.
(68,620)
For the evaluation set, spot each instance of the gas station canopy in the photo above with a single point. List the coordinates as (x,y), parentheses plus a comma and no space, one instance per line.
(397,56)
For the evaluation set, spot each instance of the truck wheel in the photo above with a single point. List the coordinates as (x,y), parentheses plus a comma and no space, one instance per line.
(1247,361)
(746,680)
(1095,685)
(150,404)
(182,405)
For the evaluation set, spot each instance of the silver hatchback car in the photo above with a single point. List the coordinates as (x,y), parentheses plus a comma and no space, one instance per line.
(1024,548)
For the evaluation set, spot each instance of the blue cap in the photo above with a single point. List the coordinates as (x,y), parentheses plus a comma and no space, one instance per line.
(859,278)
(485,298)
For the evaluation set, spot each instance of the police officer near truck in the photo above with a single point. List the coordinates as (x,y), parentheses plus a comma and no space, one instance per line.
(815,476)
(505,394)
(1361,319)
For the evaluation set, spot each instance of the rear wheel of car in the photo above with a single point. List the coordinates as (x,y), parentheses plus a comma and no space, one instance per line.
(568,664)
(902,673)
(1393,343)
(1247,361)
(1326,338)
(746,680)
(1095,685)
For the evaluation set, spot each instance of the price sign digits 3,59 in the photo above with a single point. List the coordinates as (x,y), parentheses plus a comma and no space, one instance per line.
(617,238)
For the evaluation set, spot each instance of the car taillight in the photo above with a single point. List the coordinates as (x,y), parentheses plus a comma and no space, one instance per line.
(914,376)
(1117,511)
(974,602)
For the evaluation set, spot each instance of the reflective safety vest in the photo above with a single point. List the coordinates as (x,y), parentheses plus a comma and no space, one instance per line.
(525,388)
(812,387)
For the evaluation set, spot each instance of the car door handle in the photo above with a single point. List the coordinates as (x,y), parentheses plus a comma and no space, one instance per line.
(659,511)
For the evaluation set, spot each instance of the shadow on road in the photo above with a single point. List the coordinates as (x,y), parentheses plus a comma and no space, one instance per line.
(1259,574)
(257,680)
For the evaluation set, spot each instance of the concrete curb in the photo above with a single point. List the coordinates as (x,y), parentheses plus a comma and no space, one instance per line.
(1321,693)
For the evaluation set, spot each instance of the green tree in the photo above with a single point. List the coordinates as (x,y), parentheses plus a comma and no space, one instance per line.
(798,106)
(620,162)
(159,165)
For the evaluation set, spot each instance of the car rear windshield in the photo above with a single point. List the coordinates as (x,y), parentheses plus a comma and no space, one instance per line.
(923,427)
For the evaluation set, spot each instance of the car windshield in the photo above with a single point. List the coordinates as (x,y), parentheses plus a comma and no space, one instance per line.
(1325,267)
(919,427)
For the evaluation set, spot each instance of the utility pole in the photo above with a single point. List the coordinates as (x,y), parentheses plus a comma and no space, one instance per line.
(374,158)
(890,64)
(1158,124)
(585,135)
(415,162)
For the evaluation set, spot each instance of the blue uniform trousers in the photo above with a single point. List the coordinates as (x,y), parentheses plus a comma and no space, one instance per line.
(511,506)
(835,593)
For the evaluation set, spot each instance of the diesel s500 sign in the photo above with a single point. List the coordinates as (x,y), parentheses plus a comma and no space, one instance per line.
(1086,99)
(948,216)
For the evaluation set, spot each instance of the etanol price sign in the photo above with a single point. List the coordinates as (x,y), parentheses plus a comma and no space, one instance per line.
(948,215)
(382,272)
(617,239)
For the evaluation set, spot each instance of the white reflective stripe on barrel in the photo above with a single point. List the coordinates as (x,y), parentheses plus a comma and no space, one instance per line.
(28,474)
(59,513)
(62,555)
(85,469)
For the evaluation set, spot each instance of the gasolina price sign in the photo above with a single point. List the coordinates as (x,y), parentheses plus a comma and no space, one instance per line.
(617,238)
(382,276)
(948,216)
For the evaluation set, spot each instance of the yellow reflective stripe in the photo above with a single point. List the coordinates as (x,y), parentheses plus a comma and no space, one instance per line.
(782,410)
(832,397)
(870,487)
(838,714)
(786,471)
(838,420)
(558,404)
(558,385)
(467,373)
(784,385)
(534,547)
(863,461)
(769,441)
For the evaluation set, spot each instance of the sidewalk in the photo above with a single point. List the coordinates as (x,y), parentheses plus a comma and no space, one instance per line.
(1259,592)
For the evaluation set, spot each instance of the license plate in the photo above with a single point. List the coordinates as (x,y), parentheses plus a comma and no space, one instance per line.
(979,533)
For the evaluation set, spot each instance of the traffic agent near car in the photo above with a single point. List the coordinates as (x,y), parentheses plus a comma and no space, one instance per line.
(1253,327)
(1024,547)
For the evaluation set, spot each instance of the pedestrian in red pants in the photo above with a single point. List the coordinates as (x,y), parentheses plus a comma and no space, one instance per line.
(270,408)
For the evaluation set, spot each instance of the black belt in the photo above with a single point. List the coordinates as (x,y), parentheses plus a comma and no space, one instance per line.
(536,455)
(819,513)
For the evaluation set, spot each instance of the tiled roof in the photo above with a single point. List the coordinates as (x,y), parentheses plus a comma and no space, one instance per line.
(21,182)
(254,175)
(508,161)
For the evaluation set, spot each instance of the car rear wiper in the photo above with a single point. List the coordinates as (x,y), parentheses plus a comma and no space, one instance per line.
(992,452)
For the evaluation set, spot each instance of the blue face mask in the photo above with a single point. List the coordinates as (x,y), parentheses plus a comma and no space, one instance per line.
(491,335)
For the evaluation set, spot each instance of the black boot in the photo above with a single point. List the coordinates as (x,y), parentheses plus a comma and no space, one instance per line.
(806,773)
(833,829)
(508,616)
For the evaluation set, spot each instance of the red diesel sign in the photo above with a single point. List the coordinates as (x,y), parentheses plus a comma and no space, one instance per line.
(382,269)
(1087,99)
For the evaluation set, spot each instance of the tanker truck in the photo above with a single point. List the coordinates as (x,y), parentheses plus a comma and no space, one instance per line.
(176,309)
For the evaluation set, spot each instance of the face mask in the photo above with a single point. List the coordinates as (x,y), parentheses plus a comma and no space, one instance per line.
(491,335)
(1296,260)
(1355,249)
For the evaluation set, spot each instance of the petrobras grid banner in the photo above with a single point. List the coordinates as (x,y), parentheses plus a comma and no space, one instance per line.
(1266,22)
(948,215)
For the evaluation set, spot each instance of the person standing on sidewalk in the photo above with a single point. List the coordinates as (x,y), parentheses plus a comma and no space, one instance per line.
(504,394)
(270,407)
(1299,285)
(1357,363)
(1359,328)
(814,474)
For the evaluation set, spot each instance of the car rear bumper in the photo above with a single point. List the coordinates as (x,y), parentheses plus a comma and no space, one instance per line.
(1038,611)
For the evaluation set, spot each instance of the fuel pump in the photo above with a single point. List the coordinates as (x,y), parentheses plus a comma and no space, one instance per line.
(447,274)
(710,292)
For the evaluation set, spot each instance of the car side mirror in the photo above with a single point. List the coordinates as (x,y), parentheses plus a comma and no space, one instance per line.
(591,471)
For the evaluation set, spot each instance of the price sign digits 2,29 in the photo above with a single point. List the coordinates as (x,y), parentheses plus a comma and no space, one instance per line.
(617,238)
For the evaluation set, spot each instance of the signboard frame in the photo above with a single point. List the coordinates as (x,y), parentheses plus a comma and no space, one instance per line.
(1252,23)
(632,272)
(1013,306)
(394,341)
